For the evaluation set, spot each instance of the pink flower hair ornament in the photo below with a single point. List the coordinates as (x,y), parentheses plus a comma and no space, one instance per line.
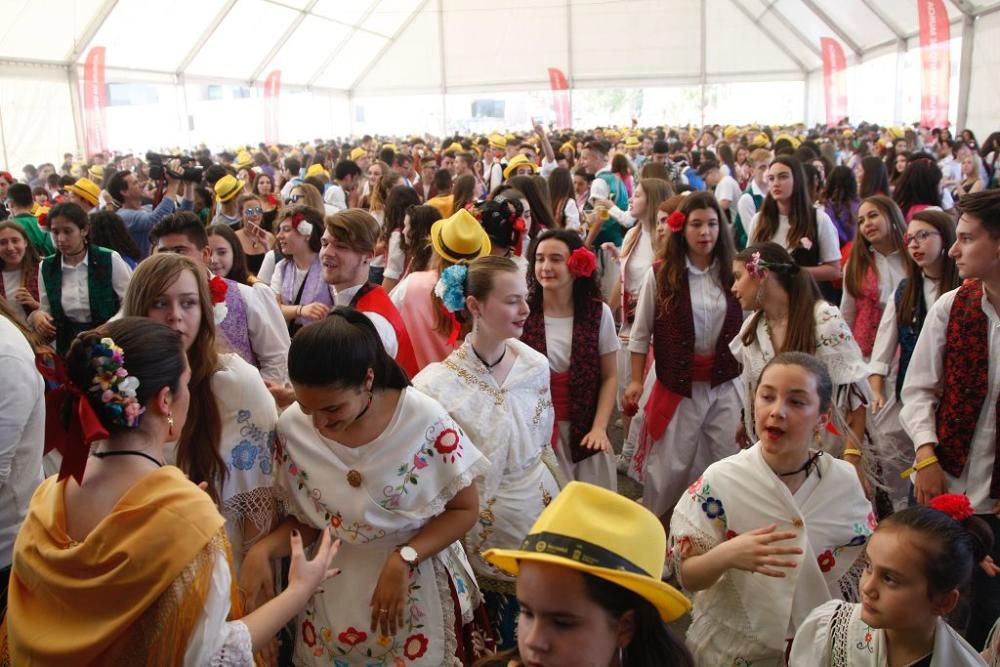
(756,266)
(113,385)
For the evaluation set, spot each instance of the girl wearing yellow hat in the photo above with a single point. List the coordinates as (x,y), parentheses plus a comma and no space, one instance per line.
(767,535)
(588,582)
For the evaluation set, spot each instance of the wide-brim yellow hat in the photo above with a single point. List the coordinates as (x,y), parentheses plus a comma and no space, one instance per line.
(455,147)
(316,170)
(516,162)
(243,160)
(96,173)
(228,187)
(358,153)
(498,141)
(632,142)
(460,237)
(87,189)
(598,532)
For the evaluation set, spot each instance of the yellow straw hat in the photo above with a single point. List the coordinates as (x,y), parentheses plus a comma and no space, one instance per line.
(87,189)
(243,160)
(568,145)
(498,141)
(316,170)
(519,161)
(599,532)
(460,237)
(228,187)
(358,153)
(632,142)
(96,173)
(455,147)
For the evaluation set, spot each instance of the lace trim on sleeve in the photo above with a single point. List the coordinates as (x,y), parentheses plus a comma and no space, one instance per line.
(477,469)
(237,647)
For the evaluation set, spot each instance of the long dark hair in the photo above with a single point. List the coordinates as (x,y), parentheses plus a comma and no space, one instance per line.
(841,192)
(801,214)
(861,259)
(585,289)
(672,269)
(875,180)
(560,192)
(803,293)
(541,211)
(918,184)
(418,248)
(949,279)
(107,230)
(338,351)
(239,270)
(401,198)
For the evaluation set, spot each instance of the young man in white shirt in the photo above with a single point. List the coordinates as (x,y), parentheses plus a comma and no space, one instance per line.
(750,201)
(951,395)
(346,175)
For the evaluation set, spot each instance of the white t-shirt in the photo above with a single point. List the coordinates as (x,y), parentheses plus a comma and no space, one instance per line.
(559,338)
(829,241)
(729,189)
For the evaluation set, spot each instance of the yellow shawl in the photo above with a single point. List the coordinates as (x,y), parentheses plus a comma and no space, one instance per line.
(131,593)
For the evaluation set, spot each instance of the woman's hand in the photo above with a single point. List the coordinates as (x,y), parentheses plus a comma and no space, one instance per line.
(306,575)
(283,394)
(754,551)
(256,580)
(315,311)
(23,298)
(389,599)
(43,324)
(597,440)
(878,400)
(632,393)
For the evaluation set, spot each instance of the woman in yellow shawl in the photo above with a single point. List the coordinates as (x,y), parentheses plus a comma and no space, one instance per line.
(128,563)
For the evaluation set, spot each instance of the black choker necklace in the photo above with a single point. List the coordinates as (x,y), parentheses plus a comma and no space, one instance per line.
(488,365)
(806,467)
(126,452)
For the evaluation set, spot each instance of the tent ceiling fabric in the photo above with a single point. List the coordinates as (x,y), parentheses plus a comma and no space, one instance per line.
(434,46)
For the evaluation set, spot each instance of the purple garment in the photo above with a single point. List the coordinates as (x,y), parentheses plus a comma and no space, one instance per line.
(313,291)
(234,327)
(846,221)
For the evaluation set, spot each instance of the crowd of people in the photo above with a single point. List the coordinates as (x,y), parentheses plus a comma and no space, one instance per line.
(354,402)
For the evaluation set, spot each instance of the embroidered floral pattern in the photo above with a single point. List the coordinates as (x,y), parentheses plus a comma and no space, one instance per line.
(701,493)
(244,455)
(447,443)
(308,633)
(865,644)
(352,636)
(415,646)
(826,561)
(442,439)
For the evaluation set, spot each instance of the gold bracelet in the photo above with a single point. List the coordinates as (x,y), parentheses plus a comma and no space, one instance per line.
(851,451)
(929,461)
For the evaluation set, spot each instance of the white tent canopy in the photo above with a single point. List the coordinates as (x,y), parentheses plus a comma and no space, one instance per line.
(352,66)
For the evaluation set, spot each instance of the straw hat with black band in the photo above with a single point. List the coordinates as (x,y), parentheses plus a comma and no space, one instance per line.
(460,237)
(228,187)
(598,532)
(86,189)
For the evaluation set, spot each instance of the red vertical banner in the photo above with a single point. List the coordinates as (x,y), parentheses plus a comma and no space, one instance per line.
(560,96)
(935,62)
(95,100)
(272,92)
(834,80)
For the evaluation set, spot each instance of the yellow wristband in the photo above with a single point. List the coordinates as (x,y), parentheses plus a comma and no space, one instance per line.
(929,461)
(851,451)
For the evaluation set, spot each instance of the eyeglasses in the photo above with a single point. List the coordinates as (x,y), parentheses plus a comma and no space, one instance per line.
(920,236)
(291,199)
(256,210)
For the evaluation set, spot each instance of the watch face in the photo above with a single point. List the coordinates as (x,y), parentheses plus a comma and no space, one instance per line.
(409,554)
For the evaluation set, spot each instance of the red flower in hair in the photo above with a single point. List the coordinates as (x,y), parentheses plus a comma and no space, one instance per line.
(676,221)
(582,262)
(955,505)
(218,287)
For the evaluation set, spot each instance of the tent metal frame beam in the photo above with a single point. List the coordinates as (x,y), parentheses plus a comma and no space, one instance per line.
(340,47)
(884,18)
(968,9)
(345,24)
(392,39)
(91,30)
(220,16)
(833,27)
(790,27)
(781,45)
(282,40)
(965,71)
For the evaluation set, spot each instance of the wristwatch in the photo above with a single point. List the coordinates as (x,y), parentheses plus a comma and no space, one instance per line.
(409,555)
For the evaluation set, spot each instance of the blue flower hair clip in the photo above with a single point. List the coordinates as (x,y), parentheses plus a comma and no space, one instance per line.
(450,287)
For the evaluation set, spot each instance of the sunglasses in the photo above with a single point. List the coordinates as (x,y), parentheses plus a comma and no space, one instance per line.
(920,236)
(256,210)
(292,199)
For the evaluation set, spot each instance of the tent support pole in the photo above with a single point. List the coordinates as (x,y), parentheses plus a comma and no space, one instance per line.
(965,71)
(77,107)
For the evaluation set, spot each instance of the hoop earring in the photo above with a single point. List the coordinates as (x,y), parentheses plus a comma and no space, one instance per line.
(170,424)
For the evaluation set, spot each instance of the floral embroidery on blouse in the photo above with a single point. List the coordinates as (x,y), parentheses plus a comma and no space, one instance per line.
(256,447)
(866,643)
(701,492)
(443,440)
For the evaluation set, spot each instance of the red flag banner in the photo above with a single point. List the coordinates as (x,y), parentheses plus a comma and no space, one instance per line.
(95,100)
(560,96)
(272,91)
(834,80)
(935,62)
